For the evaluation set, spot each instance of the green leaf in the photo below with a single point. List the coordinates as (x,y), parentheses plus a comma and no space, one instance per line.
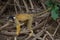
(54,9)
(48,3)
(54,13)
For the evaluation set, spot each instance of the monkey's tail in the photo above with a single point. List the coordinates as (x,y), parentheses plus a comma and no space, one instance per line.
(38,14)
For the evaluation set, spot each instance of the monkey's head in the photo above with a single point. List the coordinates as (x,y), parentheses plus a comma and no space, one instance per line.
(11,18)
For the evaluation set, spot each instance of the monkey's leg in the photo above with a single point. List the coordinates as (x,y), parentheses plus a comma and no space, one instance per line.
(17,27)
(29,25)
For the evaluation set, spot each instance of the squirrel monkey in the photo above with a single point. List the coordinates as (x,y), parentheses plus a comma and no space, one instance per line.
(22,18)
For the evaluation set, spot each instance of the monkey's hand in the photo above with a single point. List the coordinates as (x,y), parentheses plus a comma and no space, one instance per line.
(17,30)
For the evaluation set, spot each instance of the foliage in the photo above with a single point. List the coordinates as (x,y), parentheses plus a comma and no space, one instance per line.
(54,9)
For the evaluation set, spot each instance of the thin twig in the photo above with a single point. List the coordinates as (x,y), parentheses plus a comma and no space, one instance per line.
(49,35)
(44,37)
(31,4)
(8,23)
(17,2)
(4,7)
(25,4)
(15,7)
(15,38)
(56,29)
(43,4)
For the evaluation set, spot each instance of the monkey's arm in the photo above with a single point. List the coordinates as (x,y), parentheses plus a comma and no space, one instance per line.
(17,26)
(38,14)
(29,25)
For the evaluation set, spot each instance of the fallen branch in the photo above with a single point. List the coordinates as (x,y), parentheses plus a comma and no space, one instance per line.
(8,23)
(32,7)
(2,10)
(25,4)
(56,30)
(17,2)
(49,35)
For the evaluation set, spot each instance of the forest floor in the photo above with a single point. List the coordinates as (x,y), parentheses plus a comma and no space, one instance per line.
(44,27)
